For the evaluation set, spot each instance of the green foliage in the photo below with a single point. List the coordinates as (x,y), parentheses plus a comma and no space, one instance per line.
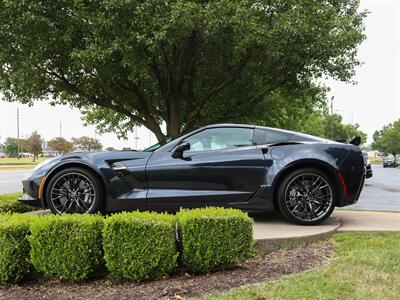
(61,145)
(14,248)
(214,238)
(11,147)
(330,127)
(140,245)
(184,63)
(86,143)
(388,138)
(9,203)
(67,246)
(34,144)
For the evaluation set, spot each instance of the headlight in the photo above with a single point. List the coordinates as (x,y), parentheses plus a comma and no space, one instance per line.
(41,169)
(45,162)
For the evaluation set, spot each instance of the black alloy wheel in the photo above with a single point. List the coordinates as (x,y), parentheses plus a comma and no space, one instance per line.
(306,197)
(75,190)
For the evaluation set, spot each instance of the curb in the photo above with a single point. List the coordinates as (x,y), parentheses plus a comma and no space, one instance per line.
(271,244)
(41,212)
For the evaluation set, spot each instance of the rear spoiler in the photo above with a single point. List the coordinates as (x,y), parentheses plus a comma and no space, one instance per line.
(356,141)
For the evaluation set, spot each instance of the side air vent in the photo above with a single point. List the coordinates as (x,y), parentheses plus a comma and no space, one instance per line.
(120,171)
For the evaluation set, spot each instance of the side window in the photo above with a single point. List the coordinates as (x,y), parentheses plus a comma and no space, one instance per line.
(265,136)
(220,138)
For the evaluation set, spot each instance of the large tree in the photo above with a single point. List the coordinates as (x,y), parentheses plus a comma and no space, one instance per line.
(182,63)
(331,127)
(388,139)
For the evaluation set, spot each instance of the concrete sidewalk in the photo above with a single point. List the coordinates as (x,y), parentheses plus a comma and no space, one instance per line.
(273,229)
(367,220)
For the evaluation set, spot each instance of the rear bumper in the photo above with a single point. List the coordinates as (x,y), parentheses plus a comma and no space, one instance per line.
(354,173)
(368,173)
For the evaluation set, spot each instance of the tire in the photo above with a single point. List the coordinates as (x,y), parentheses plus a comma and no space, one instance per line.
(306,196)
(75,190)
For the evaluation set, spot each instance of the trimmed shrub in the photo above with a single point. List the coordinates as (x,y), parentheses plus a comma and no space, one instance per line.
(68,246)
(14,247)
(9,204)
(140,246)
(214,238)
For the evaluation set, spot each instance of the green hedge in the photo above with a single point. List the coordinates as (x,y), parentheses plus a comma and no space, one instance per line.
(14,247)
(67,246)
(140,245)
(137,246)
(9,203)
(214,238)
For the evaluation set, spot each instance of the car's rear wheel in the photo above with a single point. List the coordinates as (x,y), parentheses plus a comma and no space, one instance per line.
(75,190)
(306,197)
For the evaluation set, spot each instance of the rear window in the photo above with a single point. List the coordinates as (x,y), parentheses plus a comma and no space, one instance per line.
(264,136)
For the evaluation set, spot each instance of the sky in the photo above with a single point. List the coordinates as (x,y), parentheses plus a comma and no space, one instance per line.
(373,102)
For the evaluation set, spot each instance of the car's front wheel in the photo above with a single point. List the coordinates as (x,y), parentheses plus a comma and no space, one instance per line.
(75,190)
(306,196)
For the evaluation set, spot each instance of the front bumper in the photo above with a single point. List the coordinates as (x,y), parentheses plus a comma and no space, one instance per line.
(29,200)
(31,192)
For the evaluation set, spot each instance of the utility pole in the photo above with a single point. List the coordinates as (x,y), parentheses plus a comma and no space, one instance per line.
(18,147)
(333,97)
(60,129)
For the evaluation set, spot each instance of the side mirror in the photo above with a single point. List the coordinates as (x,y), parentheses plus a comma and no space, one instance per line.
(178,151)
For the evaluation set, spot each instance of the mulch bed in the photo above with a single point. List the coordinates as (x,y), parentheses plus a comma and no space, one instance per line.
(180,286)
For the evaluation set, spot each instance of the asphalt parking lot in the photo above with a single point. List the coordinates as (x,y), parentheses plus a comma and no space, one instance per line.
(381,192)
(10,181)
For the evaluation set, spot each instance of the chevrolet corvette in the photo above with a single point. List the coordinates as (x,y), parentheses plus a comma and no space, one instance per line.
(249,167)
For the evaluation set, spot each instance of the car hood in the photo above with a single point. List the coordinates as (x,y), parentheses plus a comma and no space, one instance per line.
(107,155)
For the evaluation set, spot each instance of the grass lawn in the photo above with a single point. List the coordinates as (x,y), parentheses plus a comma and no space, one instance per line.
(365,266)
(9,203)
(21,161)
(375,160)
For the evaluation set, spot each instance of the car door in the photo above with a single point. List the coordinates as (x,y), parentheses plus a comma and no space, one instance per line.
(222,167)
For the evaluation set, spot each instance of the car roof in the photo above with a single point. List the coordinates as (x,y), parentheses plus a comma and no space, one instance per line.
(297,134)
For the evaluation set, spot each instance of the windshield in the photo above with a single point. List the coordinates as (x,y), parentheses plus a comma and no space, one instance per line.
(162,143)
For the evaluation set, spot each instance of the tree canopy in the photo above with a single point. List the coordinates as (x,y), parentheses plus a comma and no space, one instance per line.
(331,127)
(388,139)
(183,63)
(85,143)
(61,145)
(33,143)
(11,147)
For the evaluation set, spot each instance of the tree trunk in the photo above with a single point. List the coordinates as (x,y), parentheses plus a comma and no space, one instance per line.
(173,124)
